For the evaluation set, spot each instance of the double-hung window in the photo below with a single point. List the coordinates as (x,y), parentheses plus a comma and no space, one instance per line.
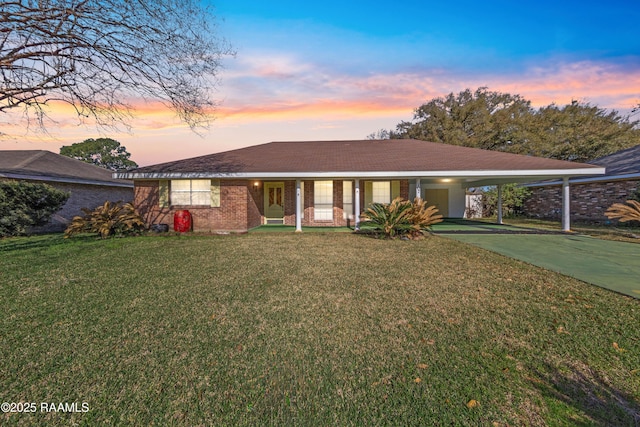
(323,200)
(190,192)
(381,192)
(347,199)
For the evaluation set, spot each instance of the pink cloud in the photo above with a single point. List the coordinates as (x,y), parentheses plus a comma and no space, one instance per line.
(394,93)
(278,89)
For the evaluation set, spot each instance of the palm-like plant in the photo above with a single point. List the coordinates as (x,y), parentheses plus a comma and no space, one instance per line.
(400,217)
(107,220)
(391,219)
(624,213)
(422,216)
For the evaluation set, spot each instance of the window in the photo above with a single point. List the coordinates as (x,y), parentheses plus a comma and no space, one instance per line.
(381,192)
(323,200)
(191,192)
(347,199)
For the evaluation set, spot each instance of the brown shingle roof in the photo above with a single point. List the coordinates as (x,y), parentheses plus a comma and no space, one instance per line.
(362,156)
(44,165)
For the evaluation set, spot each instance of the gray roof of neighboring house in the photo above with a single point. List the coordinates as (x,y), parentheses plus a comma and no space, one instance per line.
(357,158)
(623,162)
(42,165)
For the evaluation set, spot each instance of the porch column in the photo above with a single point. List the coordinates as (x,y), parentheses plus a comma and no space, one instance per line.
(418,189)
(298,207)
(357,204)
(566,205)
(499,203)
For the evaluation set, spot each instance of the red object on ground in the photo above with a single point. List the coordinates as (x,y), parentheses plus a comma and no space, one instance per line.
(182,221)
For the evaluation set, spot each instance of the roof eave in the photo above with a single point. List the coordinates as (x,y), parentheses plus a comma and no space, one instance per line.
(462,174)
(65,180)
(588,179)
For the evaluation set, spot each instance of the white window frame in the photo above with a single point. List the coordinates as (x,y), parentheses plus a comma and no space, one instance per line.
(323,200)
(381,192)
(347,199)
(191,192)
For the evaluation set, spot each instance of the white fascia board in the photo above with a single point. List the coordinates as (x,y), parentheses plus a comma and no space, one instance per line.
(459,174)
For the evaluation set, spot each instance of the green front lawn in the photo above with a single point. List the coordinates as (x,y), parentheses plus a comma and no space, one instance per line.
(308,329)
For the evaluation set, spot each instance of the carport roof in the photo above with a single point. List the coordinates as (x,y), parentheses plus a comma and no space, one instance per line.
(362,159)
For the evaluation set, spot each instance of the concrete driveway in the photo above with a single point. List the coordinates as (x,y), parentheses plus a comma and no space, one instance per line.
(609,264)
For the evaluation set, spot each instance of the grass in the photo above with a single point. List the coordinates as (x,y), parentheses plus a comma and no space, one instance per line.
(308,329)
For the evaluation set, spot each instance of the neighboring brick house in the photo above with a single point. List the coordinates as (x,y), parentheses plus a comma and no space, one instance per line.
(325,183)
(89,186)
(591,196)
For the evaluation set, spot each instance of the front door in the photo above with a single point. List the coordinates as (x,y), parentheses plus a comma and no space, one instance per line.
(438,197)
(274,202)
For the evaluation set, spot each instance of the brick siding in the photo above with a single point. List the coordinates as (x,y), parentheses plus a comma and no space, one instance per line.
(242,206)
(236,213)
(589,201)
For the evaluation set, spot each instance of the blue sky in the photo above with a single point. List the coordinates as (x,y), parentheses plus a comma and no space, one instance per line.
(344,69)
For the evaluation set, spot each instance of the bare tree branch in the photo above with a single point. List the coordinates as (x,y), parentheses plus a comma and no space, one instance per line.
(97,54)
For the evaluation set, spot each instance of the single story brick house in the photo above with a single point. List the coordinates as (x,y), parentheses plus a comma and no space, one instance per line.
(89,186)
(326,183)
(591,196)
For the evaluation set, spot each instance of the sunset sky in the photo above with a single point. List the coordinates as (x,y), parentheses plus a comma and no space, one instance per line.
(345,69)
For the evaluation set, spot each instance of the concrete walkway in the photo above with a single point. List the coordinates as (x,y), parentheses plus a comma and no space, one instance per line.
(609,264)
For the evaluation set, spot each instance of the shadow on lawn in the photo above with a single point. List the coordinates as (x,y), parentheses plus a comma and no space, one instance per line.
(590,396)
(38,242)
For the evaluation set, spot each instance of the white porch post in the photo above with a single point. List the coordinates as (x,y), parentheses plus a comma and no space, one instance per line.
(298,207)
(499,203)
(418,189)
(357,204)
(566,205)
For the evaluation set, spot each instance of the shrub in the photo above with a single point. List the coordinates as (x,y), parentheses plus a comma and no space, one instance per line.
(513,197)
(110,219)
(422,216)
(400,218)
(624,213)
(25,204)
(636,195)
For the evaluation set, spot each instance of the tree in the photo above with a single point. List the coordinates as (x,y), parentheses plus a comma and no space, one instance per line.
(503,122)
(24,204)
(581,132)
(98,55)
(513,197)
(383,134)
(104,152)
(480,119)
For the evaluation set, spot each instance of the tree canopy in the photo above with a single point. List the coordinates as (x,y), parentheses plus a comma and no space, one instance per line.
(98,55)
(498,121)
(104,152)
